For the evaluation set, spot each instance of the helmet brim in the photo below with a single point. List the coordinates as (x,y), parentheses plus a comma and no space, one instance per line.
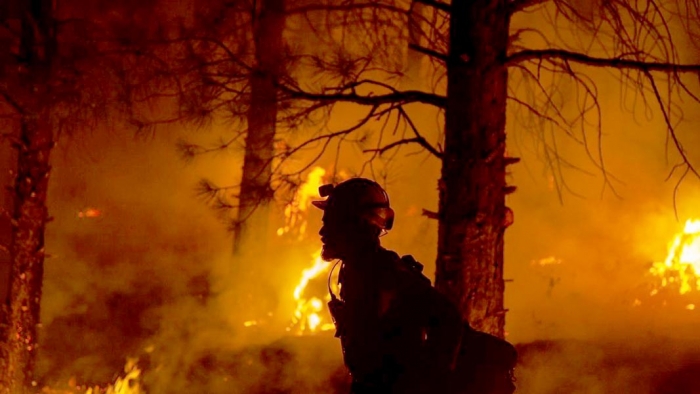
(320,204)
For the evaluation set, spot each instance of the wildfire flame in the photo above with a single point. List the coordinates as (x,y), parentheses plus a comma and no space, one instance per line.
(307,316)
(127,384)
(295,211)
(681,269)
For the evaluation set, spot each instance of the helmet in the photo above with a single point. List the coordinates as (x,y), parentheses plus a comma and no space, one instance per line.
(358,196)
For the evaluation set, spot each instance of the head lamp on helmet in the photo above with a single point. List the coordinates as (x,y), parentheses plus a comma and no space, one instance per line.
(359,197)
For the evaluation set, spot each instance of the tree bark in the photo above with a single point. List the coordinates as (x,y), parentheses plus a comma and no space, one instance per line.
(472,188)
(29,220)
(415,33)
(34,142)
(256,192)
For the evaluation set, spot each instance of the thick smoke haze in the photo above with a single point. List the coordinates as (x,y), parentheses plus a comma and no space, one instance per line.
(140,266)
(150,275)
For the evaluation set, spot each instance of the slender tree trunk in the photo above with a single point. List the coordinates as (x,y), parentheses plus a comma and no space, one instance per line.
(472,211)
(34,143)
(256,192)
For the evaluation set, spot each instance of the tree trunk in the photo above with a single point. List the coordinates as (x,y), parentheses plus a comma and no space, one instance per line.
(256,192)
(416,23)
(34,142)
(29,220)
(472,188)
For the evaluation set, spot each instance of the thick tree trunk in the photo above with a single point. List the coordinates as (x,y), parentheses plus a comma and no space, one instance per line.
(472,211)
(29,220)
(256,193)
(34,141)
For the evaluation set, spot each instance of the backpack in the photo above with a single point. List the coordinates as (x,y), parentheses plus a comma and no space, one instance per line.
(484,363)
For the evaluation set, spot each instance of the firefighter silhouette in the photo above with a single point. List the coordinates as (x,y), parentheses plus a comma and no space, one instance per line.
(397,333)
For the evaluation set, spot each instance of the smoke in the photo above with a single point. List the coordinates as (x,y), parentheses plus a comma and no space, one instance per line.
(140,266)
(579,259)
(606,366)
(150,275)
(584,239)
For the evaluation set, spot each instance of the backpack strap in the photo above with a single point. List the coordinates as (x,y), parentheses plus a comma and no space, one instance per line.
(414,266)
(411,262)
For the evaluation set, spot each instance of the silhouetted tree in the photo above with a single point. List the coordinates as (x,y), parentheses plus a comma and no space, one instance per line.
(222,63)
(255,191)
(53,80)
(27,93)
(227,63)
(476,45)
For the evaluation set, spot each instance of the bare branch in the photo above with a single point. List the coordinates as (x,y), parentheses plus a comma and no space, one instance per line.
(537,112)
(397,97)
(395,144)
(423,142)
(326,138)
(519,5)
(436,4)
(344,7)
(430,214)
(426,51)
(669,125)
(615,62)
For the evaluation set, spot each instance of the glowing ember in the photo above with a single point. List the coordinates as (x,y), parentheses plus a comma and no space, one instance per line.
(681,269)
(551,260)
(89,213)
(250,323)
(309,316)
(294,212)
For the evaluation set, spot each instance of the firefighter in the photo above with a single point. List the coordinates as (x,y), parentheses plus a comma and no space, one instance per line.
(397,333)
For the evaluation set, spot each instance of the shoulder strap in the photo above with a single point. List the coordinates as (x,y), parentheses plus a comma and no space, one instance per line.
(414,266)
(411,262)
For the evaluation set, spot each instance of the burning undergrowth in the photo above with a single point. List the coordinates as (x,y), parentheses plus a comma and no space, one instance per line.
(137,273)
(141,269)
(644,364)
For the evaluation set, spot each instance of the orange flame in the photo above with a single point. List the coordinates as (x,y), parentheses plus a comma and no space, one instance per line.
(127,384)
(681,269)
(308,317)
(294,212)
